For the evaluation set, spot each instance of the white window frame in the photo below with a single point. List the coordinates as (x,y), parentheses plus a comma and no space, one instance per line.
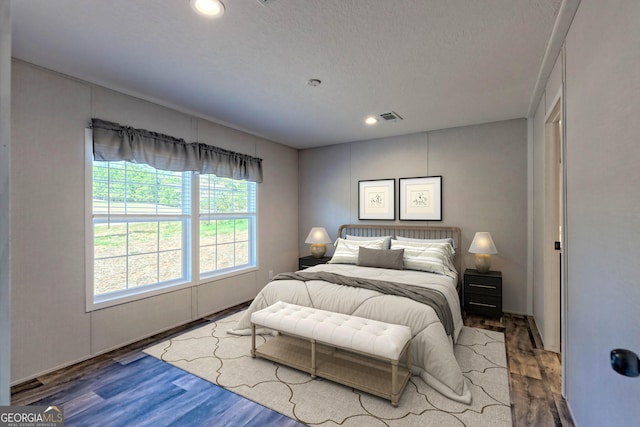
(191,246)
(250,216)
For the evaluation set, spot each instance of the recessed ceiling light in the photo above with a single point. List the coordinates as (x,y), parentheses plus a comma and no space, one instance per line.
(371,120)
(208,8)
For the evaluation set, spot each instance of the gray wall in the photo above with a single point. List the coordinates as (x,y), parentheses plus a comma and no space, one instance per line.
(602,92)
(484,170)
(5,152)
(50,327)
(603,209)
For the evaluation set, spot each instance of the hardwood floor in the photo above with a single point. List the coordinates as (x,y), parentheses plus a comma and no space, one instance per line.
(535,381)
(128,388)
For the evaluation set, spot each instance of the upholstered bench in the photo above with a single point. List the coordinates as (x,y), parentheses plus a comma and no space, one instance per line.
(354,351)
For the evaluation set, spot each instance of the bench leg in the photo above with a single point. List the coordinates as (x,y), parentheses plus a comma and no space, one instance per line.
(394,383)
(313,359)
(253,340)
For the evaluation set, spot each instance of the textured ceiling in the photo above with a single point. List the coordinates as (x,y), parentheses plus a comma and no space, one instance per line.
(437,63)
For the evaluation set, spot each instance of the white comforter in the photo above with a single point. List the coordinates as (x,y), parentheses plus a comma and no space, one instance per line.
(431,349)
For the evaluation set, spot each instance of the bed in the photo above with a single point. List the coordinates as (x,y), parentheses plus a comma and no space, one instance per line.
(365,278)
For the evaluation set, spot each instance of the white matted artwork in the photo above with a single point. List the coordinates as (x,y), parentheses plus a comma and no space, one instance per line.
(377,199)
(421,199)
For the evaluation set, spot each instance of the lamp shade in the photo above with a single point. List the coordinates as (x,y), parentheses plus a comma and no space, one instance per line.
(483,244)
(318,235)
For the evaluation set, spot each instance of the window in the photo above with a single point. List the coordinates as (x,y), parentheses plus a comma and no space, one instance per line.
(227,224)
(154,230)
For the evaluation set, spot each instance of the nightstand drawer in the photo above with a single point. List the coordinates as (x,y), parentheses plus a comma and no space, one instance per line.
(483,288)
(486,307)
(483,301)
(310,261)
(486,279)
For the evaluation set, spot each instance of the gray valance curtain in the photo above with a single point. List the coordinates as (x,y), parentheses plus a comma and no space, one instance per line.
(114,142)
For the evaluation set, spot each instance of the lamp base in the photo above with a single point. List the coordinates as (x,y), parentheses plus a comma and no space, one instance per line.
(483,262)
(318,250)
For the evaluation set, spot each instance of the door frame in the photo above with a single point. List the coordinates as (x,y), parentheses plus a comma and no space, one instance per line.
(553,222)
(558,111)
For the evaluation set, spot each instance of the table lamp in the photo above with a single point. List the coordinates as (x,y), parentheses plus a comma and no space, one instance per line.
(483,247)
(318,238)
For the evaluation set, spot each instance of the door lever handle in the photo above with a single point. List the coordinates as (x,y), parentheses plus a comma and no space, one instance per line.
(625,362)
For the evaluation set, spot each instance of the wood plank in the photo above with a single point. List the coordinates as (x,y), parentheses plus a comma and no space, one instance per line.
(563,411)
(551,370)
(531,404)
(519,345)
(537,339)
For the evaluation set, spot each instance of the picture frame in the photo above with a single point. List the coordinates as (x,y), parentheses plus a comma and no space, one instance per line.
(377,199)
(421,198)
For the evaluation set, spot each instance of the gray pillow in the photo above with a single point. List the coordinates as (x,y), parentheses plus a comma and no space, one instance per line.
(381,258)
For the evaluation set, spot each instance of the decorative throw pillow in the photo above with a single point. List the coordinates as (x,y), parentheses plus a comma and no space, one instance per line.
(386,244)
(413,239)
(347,250)
(381,258)
(432,257)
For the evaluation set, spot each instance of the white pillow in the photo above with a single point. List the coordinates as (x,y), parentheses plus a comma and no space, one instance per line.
(411,239)
(432,257)
(387,239)
(347,250)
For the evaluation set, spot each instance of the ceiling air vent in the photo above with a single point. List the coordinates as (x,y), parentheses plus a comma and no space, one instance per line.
(390,117)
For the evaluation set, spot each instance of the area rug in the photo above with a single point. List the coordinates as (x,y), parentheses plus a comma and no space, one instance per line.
(210,353)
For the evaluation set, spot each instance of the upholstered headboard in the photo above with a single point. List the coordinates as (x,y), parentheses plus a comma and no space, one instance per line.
(413,231)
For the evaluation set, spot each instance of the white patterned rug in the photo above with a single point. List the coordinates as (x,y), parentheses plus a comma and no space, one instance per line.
(210,353)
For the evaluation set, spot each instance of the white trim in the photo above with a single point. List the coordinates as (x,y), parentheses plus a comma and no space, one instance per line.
(88,218)
(195,227)
(557,97)
(552,176)
(564,309)
(567,11)
(530,213)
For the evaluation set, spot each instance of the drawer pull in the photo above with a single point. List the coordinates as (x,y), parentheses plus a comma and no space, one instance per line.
(475,285)
(483,305)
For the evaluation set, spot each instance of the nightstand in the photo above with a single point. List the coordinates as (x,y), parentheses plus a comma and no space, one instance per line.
(310,261)
(483,292)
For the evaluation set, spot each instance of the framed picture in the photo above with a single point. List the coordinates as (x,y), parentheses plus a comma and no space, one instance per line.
(377,199)
(421,199)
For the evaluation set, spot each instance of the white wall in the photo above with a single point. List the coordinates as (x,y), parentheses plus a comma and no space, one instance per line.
(484,170)
(5,152)
(602,99)
(50,327)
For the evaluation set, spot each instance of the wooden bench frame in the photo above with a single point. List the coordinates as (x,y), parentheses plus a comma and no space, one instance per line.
(370,373)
